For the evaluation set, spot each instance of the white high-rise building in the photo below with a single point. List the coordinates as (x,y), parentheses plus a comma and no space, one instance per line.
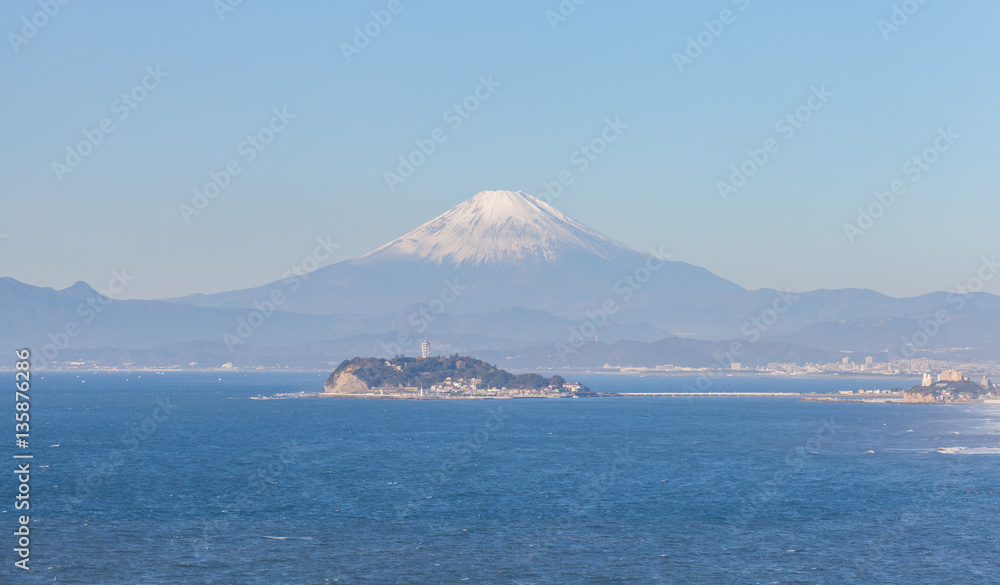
(425,349)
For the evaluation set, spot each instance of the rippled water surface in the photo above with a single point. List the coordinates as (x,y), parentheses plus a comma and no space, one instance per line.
(180,478)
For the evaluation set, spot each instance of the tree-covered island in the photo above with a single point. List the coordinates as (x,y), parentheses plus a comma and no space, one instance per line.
(442,377)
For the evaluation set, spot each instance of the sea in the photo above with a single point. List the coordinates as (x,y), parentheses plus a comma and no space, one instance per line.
(190,478)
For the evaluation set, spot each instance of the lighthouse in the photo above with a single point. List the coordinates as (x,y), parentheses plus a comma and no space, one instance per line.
(425,349)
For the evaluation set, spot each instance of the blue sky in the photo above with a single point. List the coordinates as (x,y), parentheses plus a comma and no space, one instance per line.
(323,174)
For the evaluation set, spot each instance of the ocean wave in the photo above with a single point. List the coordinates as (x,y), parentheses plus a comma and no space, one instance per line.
(969,450)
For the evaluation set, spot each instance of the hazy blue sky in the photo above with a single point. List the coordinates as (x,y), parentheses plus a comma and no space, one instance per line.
(656,184)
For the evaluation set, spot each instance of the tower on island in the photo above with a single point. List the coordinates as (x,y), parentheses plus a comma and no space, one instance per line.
(425,349)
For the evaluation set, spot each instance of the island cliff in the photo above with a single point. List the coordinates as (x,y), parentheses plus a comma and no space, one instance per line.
(345,383)
(440,376)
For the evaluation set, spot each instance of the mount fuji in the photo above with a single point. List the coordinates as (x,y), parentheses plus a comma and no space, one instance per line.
(499,227)
(499,249)
(503,275)
(504,250)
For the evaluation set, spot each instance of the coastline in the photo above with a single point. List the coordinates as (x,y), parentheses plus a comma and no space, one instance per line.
(584,371)
(802,396)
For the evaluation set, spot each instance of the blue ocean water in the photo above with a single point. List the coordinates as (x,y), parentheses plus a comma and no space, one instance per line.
(182,479)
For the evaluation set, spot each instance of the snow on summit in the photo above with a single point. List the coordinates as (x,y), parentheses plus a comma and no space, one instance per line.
(495,227)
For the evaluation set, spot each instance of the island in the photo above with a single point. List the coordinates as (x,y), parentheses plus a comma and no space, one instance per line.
(451,376)
(951,391)
(464,377)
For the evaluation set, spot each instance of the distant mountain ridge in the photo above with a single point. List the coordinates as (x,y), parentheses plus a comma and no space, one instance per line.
(500,273)
(506,249)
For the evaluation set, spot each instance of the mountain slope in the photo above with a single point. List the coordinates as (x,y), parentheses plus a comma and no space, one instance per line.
(499,272)
(79,317)
(503,249)
(498,227)
(497,250)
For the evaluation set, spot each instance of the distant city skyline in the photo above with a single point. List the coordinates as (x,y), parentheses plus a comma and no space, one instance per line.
(742,136)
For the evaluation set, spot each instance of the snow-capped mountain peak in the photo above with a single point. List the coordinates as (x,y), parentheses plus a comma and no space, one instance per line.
(497,227)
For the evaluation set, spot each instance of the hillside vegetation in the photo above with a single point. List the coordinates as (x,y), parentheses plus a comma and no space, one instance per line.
(424,372)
